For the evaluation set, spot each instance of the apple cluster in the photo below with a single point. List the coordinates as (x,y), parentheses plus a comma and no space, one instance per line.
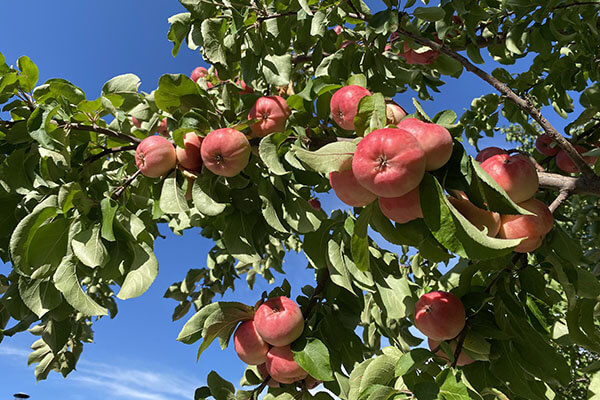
(441,317)
(388,163)
(265,341)
(545,145)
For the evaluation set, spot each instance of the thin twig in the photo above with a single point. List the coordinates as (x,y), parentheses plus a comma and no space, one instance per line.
(106,152)
(563,195)
(119,191)
(323,279)
(101,130)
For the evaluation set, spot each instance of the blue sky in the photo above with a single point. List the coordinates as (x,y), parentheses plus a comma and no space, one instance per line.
(136,356)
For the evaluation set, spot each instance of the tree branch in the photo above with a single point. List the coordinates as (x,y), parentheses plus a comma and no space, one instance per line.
(119,191)
(98,129)
(106,152)
(563,195)
(318,289)
(580,185)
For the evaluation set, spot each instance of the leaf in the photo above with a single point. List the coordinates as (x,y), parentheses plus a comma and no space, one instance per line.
(412,360)
(450,387)
(358,80)
(313,356)
(360,239)
(338,271)
(48,246)
(371,114)
(88,247)
(39,296)
(220,389)
(178,92)
(172,196)
(267,150)
(277,69)
(141,273)
(203,202)
(29,73)
(126,88)
(429,13)
(179,30)
(379,372)
(66,281)
(109,208)
(420,110)
(328,158)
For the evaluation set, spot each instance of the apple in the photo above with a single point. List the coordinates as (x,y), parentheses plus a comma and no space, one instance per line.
(272,113)
(337,29)
(394,113)
(245,88)
(249,346)
(189,156)
(199,72)
(542,145)
(162,128)
(463,358)
(435,140)
(477,216)
(225,152)
(412,57)
(489,152)
(136,122)
(279,321)
(532,227)
(515,174)
(344,105)
(155,156)
(262,369)
(402,209)
(282,367)
(439,315)
(389,162)
(564,162)
(315,203)
(347,188)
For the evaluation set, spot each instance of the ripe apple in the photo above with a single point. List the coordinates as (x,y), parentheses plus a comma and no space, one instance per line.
(262,369)
(245,88)
(162,128)
(315,203)
(344,105)
(489,152)
(337,29)
(412,57)
(225,152)
(394,113)
(189,157)
(347,188)
(155,156)
(199,72)
(477,216)
(463,358)
(282,367)
(542,145)
(402,209)
(389,162)
(435,140)
(136,122)
(532,227)
(564,162)
(439,315)
(249,346)
(515,174)
(272,113)
(279,321)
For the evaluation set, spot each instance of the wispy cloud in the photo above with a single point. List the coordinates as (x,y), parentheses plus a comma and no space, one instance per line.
(10,351)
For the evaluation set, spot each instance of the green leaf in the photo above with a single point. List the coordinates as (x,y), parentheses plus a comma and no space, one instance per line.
(451,388)
(277,69)
(124,87)
(267,150)
(371,114)
(338,271)
(360,239)
(66,281)
(358,80)
(379,372)
(48,246)
(411,361)
(141,273)
(202,200)
(420,110)
(313,356)
(429,13)
(220,389)
(328,158)
(39,296)
(67,194)
(179,30)
(109,208)
(29,73)
(172,196)
(177,92)
(88,247)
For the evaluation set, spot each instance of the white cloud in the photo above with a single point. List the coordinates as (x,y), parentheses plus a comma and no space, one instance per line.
(6,350)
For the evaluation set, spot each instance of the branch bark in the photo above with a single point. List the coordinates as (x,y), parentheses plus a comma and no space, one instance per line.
(574,185)
(106,152)
(99,129)
(563,195)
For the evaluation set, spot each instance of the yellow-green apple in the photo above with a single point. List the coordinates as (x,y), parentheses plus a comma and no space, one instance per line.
(489,152)
(564,162)
(249,346)
(189,156)
(162,128)
(347,188)
(262,369)
(515,174)
(199,72)
(412,57)
(402,209)
(282,367)
(531,227)
(225,152)
(344,105)
(136,122)
(279,321)
(543,145)
(463,358)
(439,315)
(435,140)
(389,162)
(155,156)
(272,113)
(394,113)
(477,216)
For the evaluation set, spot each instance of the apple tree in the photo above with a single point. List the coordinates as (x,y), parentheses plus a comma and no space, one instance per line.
(494,259)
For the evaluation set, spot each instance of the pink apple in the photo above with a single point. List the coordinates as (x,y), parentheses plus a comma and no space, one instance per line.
(489,152)
(282,367)
(344,105)
(279,321)
(315,203)
(394,113)
(515,174)
(136,122)
(225,152)
(435,140)
(439,315)
(532,227)
(245,88)
(272,113)
(199,72)
(262,369)
(338,29)
(155,156)
(189,157)
(402,209)
(542,145)
(249,346)
(564,162)
(162,128)
(347,188)
(477,216)
(412,57)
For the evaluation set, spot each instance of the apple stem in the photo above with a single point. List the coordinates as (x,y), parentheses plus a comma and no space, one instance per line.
(119,191)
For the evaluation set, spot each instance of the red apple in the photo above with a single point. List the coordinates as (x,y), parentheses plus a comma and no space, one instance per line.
(542,145)
(189,157)
(389,162)
(279,321)
(515,174)
(245,88)
(402,209)
(249,346)
(155,156)
(338,29)
(532,227)
(489,152)
(440,315)
(272,113)
(344,105)
(199,72)
(564,162)
(262,369)
(394,113)
(463,358)
(315,203)
(162,128)
(136,122)
(225,152)
(347,188)
(412,57)
(477,216)
(282,367)
(435,140)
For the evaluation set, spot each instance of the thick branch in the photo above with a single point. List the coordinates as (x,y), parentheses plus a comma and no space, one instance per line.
(563,195)
(579,185)
(106,152)
(99,129)
(524,104)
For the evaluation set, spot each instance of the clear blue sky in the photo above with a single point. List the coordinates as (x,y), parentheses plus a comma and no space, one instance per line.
(136,356)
